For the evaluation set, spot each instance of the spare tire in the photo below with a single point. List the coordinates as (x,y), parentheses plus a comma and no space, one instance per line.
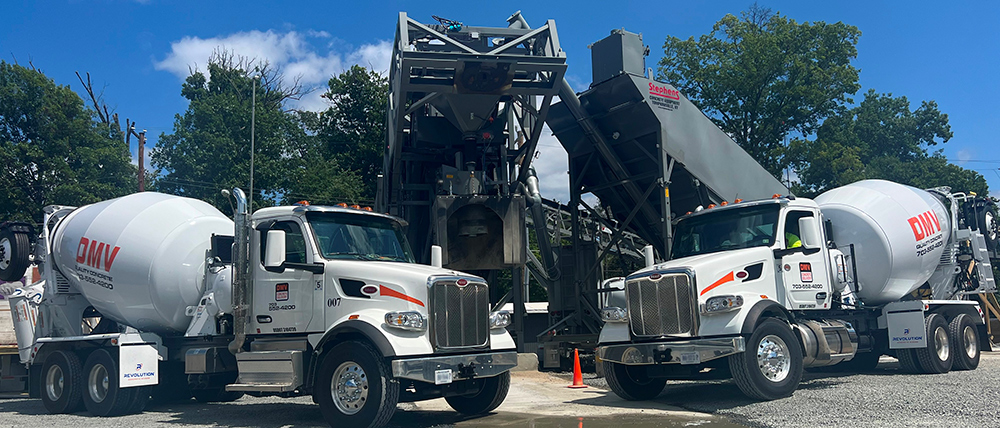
(14,250)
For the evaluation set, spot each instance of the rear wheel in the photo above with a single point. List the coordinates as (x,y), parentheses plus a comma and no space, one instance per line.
(14,250)
(631,382)
(102,394)
(62,383)
(936,357)
(492,394)
(771,366)
(988,227)
(907,360)
(964,339)
(355,388)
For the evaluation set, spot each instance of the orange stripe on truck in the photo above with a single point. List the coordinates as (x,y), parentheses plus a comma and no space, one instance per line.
(721,281)
(386,291)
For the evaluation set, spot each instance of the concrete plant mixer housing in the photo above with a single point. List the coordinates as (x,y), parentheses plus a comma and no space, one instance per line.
(899,234)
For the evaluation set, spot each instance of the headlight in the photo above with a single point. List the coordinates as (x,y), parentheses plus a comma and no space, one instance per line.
(410,320)
(720,304)
(614,314)
(499,319)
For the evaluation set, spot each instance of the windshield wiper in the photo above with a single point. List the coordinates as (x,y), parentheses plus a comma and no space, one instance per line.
(359,256)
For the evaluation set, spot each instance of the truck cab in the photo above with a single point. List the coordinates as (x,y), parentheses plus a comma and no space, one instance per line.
(760,290)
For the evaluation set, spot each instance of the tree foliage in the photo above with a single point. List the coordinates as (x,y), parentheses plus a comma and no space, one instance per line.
(352,131)
(880,138)
(209,148)
(52,148)
(761,76)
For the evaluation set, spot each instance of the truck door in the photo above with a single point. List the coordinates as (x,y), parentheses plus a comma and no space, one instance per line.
(283,301)
(805,273)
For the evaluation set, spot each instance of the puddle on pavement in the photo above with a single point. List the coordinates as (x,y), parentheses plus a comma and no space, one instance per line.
(614,421)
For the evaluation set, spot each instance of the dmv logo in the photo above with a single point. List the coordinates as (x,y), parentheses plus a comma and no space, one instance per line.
(924,225)
(96,254)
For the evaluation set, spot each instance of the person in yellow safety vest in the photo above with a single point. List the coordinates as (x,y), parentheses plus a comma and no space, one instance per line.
(792,241)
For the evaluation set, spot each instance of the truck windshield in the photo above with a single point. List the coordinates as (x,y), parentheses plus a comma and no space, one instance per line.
(726,230)
(359,237)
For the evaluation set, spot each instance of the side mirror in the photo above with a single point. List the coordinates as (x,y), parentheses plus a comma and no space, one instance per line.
(274,256)
(809,231)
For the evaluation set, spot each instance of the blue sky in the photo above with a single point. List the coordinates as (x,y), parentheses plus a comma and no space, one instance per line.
(139,52)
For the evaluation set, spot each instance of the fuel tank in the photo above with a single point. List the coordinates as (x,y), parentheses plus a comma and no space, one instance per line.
(139,259)
(899,233)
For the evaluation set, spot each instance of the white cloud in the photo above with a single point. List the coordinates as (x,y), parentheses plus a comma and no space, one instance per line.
(964,155)
(292,51)
(552,166)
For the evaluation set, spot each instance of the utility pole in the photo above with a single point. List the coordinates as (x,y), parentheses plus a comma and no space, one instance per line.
(142,159)
(253,123)
(141,152)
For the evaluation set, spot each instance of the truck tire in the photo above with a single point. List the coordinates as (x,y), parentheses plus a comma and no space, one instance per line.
(14,250)
(139,400)
(908,361)
(628,383)
(62,383)
(964,339)
(988,227)
(936,357)
(771,366)
(101,393)
(489,397)
(216,395)
(355,388)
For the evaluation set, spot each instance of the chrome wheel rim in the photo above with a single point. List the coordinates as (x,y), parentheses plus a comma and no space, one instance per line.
(55,382)
(773,359)
(98,383)
(941,344)
(5,253)
(349,388)
(971,347)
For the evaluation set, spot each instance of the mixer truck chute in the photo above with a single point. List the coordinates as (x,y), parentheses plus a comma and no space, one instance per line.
(152,294)
(879,268)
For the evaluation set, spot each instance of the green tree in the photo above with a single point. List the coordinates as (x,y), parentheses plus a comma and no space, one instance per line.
(352,131)
(761,76)
(209,148)
(880,138)
(52,148)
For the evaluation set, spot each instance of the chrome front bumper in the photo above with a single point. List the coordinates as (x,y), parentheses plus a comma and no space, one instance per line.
(461,366)
(680,352)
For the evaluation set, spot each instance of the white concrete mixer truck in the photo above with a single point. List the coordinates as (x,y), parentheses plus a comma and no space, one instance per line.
(760,290)
(151,294)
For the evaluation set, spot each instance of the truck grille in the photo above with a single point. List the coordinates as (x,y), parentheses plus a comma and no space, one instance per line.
(661,307)
(459,316)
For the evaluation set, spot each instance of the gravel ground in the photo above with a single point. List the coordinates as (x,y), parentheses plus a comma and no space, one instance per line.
(881,398)
(538,400)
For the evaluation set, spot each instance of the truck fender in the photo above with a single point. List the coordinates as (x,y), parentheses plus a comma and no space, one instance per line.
(352,329)
(759,311)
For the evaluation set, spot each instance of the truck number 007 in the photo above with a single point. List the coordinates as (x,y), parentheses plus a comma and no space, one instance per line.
(334,302)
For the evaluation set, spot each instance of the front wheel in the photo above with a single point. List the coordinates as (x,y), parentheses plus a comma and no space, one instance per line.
(936,357)
(631,382)
(489,397)
(354,387)
(964,339)
(771,366)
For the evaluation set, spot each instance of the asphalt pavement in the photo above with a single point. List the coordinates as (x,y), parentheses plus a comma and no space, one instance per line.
(883,397)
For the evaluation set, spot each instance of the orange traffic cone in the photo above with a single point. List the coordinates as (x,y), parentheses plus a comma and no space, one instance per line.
(577,373)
